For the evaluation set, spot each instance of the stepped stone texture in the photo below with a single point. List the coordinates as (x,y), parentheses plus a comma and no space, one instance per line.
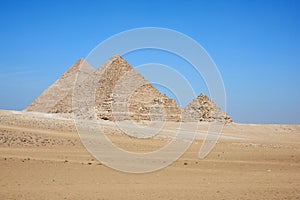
(58,97)
(116,92)
(203,109)
(123,94)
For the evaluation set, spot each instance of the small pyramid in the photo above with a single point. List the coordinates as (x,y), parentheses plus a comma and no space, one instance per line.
(203,109)
(58,97)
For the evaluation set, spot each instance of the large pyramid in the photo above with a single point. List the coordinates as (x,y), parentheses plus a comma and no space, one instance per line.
(58,97)
(123,94)
(120,93)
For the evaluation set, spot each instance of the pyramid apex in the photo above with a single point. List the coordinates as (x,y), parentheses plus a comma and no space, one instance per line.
(80,60)
(202,95)
(117,57)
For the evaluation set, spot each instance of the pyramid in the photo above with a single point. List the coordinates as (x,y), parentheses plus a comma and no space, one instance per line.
(123,94)
(203,109)
(58,97)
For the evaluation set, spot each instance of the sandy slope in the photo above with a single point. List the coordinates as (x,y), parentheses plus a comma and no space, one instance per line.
(41,157)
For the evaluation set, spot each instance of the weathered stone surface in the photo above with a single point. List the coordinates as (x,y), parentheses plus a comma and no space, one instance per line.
(203,109)
(123,94)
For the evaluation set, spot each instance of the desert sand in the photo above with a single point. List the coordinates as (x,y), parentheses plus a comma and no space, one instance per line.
(42,157)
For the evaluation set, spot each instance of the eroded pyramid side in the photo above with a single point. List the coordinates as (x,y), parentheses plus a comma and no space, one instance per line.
(203,109)
(123,94)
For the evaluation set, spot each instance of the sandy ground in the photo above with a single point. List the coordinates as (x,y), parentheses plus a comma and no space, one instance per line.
(42,157)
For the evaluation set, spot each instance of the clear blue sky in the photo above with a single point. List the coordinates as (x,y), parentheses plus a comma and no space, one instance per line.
(255,44)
